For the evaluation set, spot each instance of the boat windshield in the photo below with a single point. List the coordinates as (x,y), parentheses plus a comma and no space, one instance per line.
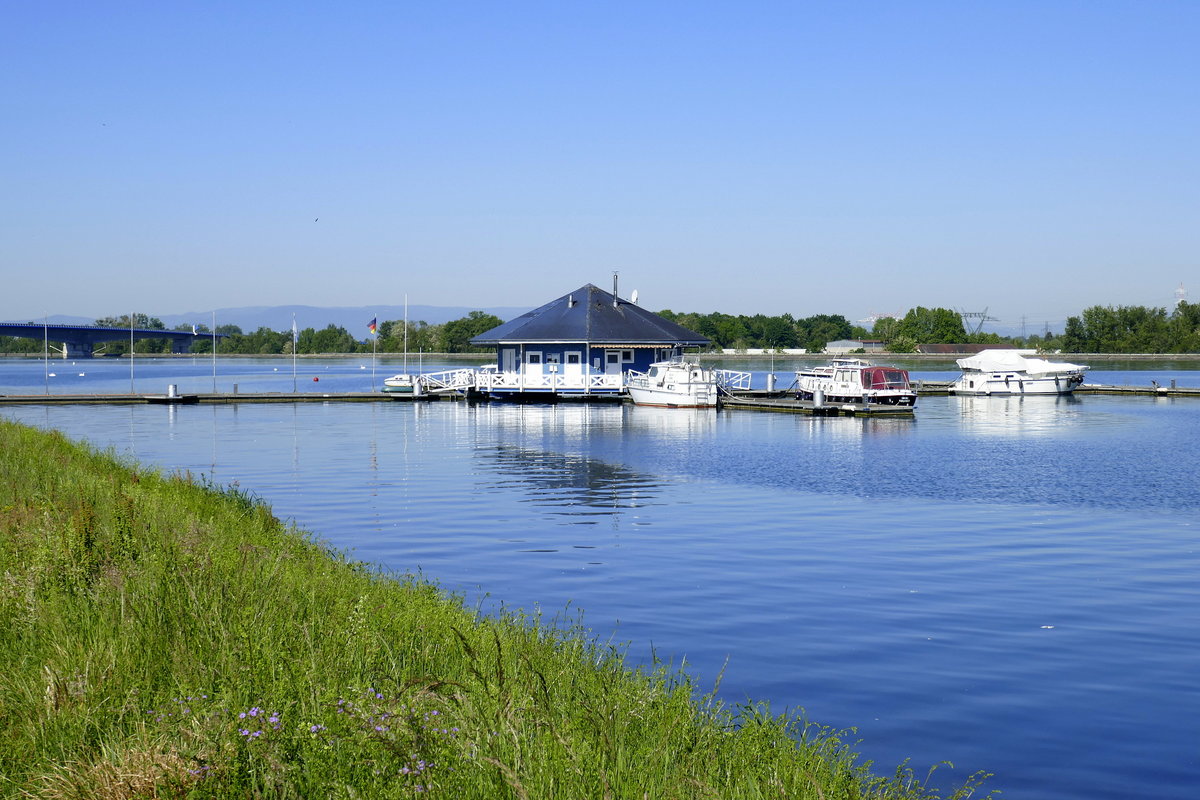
(884,378)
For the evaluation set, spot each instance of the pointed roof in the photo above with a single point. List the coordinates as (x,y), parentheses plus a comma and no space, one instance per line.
(590,314)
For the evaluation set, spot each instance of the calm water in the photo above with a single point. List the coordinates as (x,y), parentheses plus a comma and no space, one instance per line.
(1007,584)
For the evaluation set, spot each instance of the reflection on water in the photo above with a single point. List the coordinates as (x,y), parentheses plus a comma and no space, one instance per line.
(579,489)
(1026,416)
(670,423)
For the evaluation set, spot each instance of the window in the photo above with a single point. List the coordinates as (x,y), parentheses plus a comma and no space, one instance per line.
(572,358)
(533,358)
(612,357)
(627,356)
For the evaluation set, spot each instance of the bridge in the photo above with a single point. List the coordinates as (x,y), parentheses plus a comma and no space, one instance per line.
(80,341)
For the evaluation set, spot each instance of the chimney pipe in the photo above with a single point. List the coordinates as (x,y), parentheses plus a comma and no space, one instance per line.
(615,274)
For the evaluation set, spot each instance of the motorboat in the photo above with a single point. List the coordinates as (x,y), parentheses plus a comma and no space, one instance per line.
(673,384)
(854,380)
(1015,372)
(403,383)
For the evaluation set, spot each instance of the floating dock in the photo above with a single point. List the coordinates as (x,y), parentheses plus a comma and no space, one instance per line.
(788,403)
(740,400)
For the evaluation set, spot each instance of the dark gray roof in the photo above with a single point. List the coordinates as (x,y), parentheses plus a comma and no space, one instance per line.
(589,315)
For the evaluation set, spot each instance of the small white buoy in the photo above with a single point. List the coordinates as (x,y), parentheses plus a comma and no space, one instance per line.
(277,369)
(82,374)
(53,375)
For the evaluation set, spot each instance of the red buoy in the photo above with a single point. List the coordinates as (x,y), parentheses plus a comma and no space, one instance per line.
(315,379)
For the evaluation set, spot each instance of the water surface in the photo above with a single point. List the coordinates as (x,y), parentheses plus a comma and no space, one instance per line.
(1005,583)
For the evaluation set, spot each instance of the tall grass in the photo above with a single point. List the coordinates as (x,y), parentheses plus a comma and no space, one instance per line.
(162,638)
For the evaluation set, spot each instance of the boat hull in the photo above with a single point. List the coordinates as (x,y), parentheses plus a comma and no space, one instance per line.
(673,385)
(671,399)
(855,381)
(1014,383)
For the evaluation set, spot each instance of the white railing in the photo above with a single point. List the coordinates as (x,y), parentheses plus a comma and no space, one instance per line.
(546,382)
(447,381)
(728,379)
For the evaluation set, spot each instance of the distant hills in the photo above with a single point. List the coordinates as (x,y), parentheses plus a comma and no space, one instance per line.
(279,318)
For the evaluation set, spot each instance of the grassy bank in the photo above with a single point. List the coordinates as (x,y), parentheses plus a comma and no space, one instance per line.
(163,639)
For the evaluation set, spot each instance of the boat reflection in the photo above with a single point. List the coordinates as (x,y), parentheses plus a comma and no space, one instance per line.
(1033,415)
(670,423)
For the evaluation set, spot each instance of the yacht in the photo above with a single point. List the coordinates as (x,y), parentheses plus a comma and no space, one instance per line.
(854,380)
(1014,372)
(673,384)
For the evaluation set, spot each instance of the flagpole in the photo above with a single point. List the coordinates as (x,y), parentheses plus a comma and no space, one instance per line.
(214,338)
(46,349)
(374,340)
(131,352)
(295,341)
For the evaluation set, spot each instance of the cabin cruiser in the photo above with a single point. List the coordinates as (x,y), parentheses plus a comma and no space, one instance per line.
(673,384)
(1013,372)
(853,380)
(403,383)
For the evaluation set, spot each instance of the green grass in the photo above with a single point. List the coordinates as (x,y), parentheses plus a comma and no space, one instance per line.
(162,638)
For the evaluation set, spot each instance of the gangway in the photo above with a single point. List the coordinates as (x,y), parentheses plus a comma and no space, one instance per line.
(450,380)
(729,380)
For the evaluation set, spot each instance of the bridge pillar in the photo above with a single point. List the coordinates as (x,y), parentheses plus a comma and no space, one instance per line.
(77,349)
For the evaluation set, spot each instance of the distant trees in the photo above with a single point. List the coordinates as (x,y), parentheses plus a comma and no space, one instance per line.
(1098,329)
(1134,329)
(21,344)
(456,335)
(451,337)
(766,332)
(141,321)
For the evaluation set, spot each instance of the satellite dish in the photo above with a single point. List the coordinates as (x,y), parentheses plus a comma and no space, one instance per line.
(633,297)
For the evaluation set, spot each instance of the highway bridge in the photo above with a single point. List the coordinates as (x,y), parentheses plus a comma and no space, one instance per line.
(84,341)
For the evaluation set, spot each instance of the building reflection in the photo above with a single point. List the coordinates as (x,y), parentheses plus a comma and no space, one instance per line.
(565,484)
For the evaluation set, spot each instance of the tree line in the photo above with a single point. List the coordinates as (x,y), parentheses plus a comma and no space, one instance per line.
(450,337)
(1098,329)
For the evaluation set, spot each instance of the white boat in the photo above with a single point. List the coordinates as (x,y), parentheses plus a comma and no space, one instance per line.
(673,384)
(853,380)
(402,383)
(1014,372)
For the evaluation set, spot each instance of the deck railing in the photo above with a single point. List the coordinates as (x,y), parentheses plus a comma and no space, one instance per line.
(546,382)
(461,380)
(728,380)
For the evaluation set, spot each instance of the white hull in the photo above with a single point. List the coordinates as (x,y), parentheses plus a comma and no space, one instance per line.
(1015,383)
(853,380)
(1013,372)
(673,399)
(399,383)
(673,385)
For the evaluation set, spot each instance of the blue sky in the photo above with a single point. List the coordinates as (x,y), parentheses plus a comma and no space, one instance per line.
(1033,158)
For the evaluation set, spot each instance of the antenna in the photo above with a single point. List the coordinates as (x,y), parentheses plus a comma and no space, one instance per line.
(1180,295)
(982,316)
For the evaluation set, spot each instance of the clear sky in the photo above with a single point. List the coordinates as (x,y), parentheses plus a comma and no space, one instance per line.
(1033,158)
